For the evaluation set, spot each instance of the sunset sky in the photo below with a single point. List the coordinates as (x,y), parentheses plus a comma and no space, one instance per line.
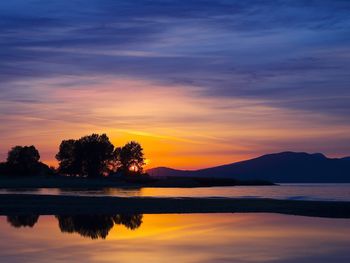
(197,82)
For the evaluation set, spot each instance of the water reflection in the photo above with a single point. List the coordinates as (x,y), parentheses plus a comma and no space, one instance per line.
(131,222)
(22,190)
(325,192)
(185,238)
(22,220)
(96,226)
(124,192)
(91,226)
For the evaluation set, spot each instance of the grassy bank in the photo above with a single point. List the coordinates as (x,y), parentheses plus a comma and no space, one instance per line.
(17,204)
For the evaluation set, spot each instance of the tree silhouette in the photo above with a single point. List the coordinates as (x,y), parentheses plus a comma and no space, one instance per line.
(23,160)
(129,221)
(96,226)
(130,158)
(86,225)
(90,156)
(69,160)
(22,220)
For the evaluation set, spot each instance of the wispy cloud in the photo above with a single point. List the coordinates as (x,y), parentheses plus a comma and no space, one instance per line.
(254,63)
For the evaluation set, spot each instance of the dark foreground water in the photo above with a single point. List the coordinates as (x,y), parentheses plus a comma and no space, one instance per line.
(322,192)
(174,238)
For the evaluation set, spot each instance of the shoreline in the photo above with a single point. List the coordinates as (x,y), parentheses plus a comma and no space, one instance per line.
(84,183)
(29,204)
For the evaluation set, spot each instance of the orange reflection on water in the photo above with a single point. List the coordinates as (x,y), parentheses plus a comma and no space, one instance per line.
(186,238)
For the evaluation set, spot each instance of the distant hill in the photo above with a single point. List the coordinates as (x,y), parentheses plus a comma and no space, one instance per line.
(284,167)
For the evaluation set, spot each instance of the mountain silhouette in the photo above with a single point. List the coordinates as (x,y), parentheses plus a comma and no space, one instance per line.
(284,167)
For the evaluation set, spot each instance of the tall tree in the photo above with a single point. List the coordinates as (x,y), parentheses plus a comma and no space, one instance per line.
(130,158)
(90,156)
(96,153)
(69,161)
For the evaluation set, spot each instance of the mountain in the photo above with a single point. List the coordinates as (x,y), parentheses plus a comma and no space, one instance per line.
(284,167)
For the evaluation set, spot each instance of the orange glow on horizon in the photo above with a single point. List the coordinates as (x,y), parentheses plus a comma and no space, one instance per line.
(175,127)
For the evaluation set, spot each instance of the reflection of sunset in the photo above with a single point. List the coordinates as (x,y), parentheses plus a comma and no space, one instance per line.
(188,238)
(238,105)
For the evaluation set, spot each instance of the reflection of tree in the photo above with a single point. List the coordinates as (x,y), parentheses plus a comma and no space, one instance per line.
(87,226)
(23,220)
(96,226)
(129,221)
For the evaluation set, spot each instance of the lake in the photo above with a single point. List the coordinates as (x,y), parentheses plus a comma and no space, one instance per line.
(192,238)
(174,238)
(322,192)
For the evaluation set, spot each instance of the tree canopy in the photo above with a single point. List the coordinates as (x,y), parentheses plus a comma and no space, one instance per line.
(130,158)
(89,156)
(23,160)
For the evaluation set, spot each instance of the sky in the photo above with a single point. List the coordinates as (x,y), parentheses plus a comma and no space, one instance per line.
(197,82)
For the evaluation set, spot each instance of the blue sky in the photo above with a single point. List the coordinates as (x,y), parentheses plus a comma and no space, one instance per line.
(285,63)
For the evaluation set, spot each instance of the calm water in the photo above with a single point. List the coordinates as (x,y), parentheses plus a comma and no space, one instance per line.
(331,192)
(174,238)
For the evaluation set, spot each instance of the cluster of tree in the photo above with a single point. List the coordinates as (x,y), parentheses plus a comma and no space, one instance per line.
(24,160)
(95,156)
(92,226)
(90,156)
